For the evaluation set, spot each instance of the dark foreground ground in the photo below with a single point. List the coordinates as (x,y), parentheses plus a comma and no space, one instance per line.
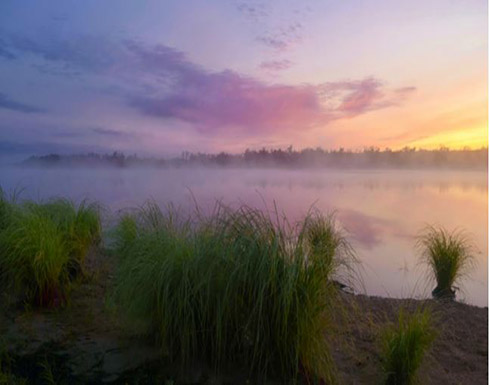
(88,343)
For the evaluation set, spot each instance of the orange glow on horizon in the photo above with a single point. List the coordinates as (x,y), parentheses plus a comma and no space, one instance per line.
(472,138)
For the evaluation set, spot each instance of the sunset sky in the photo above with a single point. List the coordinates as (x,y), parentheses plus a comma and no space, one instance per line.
(160,77)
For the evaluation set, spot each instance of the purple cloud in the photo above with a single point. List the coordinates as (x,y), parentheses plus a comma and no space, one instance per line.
(9,104)
(5,52)
(254,12)
(281,37)
(276,65)
(364,96)
(107,132)
(284,38)
(227,101)
(161,82)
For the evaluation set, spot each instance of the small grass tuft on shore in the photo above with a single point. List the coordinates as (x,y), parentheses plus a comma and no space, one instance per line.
(405,344)
(448,255)
(235,287)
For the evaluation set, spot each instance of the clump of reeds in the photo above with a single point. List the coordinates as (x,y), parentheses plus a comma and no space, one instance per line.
(233,287)
(42,247)
(405,344)
(78,224)
(324,240)
(449,256)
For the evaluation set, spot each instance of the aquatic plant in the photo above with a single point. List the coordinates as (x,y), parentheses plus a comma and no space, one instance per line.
(448,255)
(405,344)
(42,245)
(233,287)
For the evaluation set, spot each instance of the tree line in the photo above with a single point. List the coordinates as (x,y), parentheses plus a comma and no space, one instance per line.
(372,157)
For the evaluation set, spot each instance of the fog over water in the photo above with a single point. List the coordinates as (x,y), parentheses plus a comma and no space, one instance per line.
(381,210)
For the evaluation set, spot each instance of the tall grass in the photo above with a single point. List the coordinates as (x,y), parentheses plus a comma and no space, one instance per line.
(448,255)
(7,208)
(79,224)
(322,238)
(233,287)
(43,245)
(404,346)
(34,256)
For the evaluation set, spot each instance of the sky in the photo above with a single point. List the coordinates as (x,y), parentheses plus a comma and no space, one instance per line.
(162,77)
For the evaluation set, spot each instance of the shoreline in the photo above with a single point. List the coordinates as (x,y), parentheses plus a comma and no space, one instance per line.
(88,342)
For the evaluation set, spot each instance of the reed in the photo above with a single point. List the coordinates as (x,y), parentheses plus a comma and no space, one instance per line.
(234,287)
(79,224)
(404,346)
(449,257)
(43,245)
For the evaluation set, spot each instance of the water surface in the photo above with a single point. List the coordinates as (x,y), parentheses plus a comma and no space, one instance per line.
(382,211)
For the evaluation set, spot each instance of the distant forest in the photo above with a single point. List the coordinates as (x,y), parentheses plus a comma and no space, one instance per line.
(286,158)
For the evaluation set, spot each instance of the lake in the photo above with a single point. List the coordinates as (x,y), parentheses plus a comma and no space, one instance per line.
(382,211)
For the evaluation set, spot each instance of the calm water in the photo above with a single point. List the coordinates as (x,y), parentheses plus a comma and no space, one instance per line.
(381,210)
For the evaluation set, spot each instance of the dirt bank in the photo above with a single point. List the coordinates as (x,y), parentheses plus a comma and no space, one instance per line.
(87,342)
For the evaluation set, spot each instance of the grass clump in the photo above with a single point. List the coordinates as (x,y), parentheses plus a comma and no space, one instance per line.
(79,225)
(404,346)
(322,239)
(42,248)
(231,288)
(449,255)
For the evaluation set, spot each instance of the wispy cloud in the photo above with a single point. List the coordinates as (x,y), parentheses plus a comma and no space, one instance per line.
(255,11)
(279,36)
(5,52)
(161,82)
(9,104)
(276,65)
(107,132)
(284,38)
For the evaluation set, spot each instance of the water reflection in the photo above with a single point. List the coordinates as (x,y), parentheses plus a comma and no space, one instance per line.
(369,231)
(381,210)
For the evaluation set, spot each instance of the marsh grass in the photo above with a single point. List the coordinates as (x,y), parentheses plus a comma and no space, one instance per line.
(43,245)
(449,257)
(7,207)
(323,238)
(234,287)
(405,344)
(79,225)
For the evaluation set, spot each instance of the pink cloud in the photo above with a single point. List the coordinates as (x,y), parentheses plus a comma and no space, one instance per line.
(276,65)
(161,82)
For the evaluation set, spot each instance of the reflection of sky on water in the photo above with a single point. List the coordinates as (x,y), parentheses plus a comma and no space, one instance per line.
(367,230)
(381,211)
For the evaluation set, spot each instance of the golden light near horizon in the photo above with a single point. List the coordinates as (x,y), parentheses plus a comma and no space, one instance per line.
(468,138)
